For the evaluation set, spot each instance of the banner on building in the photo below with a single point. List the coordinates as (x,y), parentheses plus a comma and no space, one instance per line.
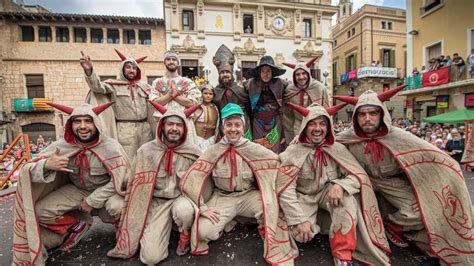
(377,72)
(436,77)
(469,100)
(442,101)
(413,82)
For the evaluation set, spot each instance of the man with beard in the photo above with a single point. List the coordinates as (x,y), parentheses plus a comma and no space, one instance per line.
(235,177)
(154,199)
(127,121)
(424,185)
(266,96)
(82,173)
(228,91)
(303,92)
(318,173)
(176,92)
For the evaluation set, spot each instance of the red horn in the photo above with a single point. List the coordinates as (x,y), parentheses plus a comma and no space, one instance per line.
(334,109)
(300,109)
(67,109)
(290,65)
(160,108)
(385,96)
(188,112)
(311,62)
(347,99)
(140,59)
(100,108)
(122,57)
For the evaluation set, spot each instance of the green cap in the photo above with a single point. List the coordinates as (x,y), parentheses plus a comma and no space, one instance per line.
(231,109)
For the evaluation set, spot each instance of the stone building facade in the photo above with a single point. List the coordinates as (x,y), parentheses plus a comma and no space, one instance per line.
(371,43)
(39,58)
(289,31)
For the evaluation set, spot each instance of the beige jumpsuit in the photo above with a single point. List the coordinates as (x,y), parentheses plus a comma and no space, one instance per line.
(301,200)
(130,108)
(167,205)
(234,195)
(96,186)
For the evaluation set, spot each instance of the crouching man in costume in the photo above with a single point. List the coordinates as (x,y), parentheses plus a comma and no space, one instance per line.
(425,185)
(303,92)
(127,121)
(57,191)
(318,173)
(243,174)
(154,199)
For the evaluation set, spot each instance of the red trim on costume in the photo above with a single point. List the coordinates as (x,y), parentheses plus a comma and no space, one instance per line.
(62,224)
(344,245)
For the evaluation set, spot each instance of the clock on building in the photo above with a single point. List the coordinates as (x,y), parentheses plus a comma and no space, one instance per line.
(278,23)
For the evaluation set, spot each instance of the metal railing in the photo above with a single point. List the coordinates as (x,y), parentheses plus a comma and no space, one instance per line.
(26,156)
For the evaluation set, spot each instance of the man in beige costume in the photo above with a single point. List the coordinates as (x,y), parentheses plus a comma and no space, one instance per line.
(303,92)
(424,185)
(154,199)
(176,92)
(83,173)
(243,174)
(318,173)
(127,122)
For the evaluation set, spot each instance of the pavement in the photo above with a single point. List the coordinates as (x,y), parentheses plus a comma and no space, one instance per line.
(242,246)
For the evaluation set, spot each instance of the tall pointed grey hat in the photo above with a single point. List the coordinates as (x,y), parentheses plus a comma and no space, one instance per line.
(224,59)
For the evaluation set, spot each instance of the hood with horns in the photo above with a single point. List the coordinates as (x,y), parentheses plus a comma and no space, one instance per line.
(370,97)
(82,110)
(131,60)
(314,111)
(305,66)
(184,115)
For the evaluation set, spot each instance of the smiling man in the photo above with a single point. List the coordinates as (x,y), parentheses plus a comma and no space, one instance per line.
(243,175)
(318,174)
(155,200)
(303,91)
(175,92)
(127,120)
(83,173)
(266,98)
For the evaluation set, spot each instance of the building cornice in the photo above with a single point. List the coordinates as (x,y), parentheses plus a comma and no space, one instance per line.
(60,17)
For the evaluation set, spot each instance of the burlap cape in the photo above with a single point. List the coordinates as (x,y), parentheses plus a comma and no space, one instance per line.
(140,190)
(95,99)
(316,92)
(369,219)
(28,236)
(197,183)
(437,181)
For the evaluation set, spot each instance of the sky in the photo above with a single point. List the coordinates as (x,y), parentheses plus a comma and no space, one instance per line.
(148,8)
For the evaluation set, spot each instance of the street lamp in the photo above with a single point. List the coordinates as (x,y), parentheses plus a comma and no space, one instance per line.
(207,71)
(325,75)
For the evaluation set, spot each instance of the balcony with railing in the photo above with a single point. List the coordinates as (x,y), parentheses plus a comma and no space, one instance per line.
(443,78)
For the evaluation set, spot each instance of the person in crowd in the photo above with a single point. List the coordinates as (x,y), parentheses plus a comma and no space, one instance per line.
(127,120)
(460,65)
(319,176)
(470,61)
(236,177)
(206,119)
(266,92)
(455,146)
(82,174)
(154,199)
(227,90)
(420,182)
